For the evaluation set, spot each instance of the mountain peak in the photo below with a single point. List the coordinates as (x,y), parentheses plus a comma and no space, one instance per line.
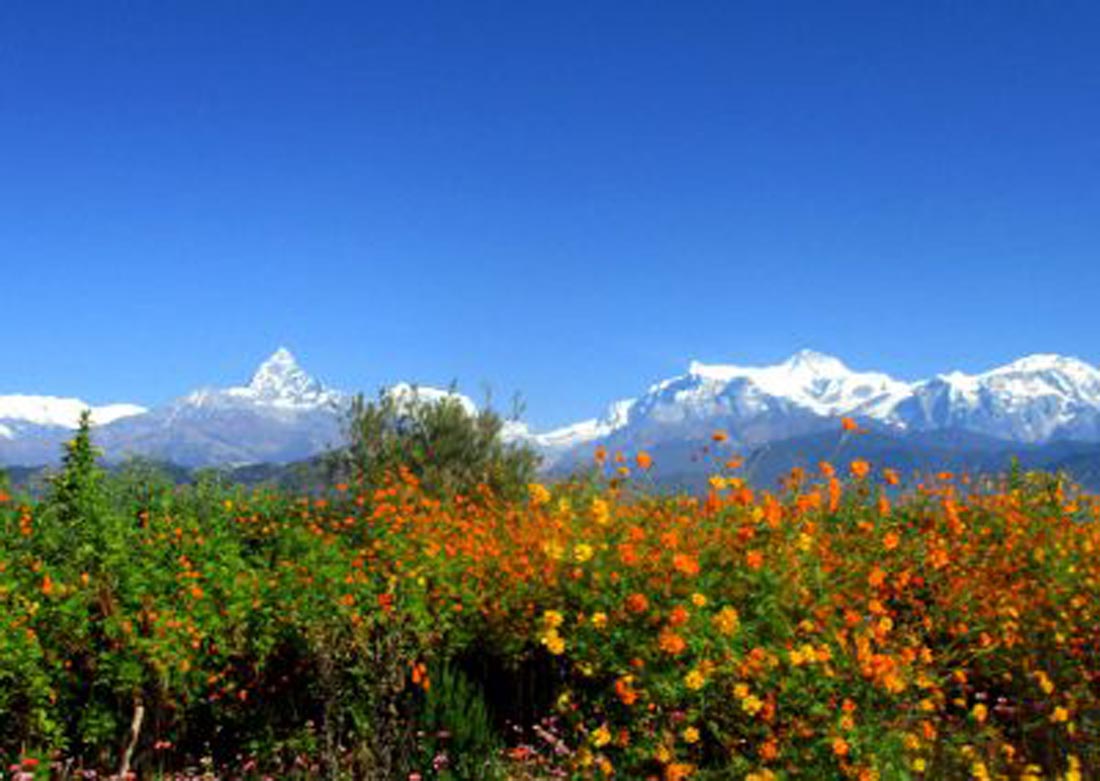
(280,378)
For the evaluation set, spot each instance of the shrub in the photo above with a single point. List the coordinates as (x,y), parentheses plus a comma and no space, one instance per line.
(448,447)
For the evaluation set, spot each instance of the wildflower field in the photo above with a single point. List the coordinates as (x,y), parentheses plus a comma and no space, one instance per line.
(850,623)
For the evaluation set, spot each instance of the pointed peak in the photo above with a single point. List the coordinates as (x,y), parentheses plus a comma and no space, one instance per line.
(280,377)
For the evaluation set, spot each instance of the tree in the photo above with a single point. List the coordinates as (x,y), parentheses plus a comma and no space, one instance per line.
(449,448)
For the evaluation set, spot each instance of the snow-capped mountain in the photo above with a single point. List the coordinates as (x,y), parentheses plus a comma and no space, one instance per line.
(33,428)
(19,411)
(283,414)
(755,404)
(1033,400)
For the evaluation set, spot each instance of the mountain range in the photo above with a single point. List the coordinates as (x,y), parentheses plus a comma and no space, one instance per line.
(1042,407)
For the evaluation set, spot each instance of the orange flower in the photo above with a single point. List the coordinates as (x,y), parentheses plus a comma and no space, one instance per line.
(47,585)
(890,541)
(678,771)
(719,436)
(849,424)
(841,747)
(754,559)
(860,469)
(683,563)
(637,603)
(670,642)
(645,461)
(678,616)
(625,691)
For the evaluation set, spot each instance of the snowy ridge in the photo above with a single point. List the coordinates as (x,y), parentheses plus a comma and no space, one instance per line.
(56,412)
(283,413)
(1032,400)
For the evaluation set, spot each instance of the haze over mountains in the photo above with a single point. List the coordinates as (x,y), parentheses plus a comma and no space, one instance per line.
(1043,407)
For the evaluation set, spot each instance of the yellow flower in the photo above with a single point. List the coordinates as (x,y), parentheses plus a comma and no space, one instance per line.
(741,690)
(752,704)
(726,621)
(554,643)
(695,680)
(1060,715)
(698,600)
(718,483)
(582,553)
(599,620)
(919,764)
(979,713)
(553,619)
(662,754)
(538,494)
(601,512)
(601,737)
(691,735)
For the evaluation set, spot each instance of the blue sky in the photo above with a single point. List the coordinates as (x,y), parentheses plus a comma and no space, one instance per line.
(569,200)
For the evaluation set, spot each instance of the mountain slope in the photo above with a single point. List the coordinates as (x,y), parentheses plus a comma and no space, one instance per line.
(1038,399)
(282,414)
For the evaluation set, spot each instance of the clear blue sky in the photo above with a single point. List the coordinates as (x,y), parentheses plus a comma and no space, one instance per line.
(566,199)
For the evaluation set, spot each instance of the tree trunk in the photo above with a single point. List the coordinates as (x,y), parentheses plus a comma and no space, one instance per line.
(131,744)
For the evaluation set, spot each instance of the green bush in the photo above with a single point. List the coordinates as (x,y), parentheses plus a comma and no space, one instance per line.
(447,448)
(458,740)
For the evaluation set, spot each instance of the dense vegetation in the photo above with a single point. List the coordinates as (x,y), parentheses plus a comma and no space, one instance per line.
(428,619)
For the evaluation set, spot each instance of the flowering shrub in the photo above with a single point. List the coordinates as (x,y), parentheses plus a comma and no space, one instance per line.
(831,628)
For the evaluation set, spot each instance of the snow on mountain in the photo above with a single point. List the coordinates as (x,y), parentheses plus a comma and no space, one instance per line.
(284,414)
(759,403)
(279,382)
(1034,399)
(553,444)
(55,412)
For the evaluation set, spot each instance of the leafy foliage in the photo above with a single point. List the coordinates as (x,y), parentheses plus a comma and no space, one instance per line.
(832,628)
(449,448)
